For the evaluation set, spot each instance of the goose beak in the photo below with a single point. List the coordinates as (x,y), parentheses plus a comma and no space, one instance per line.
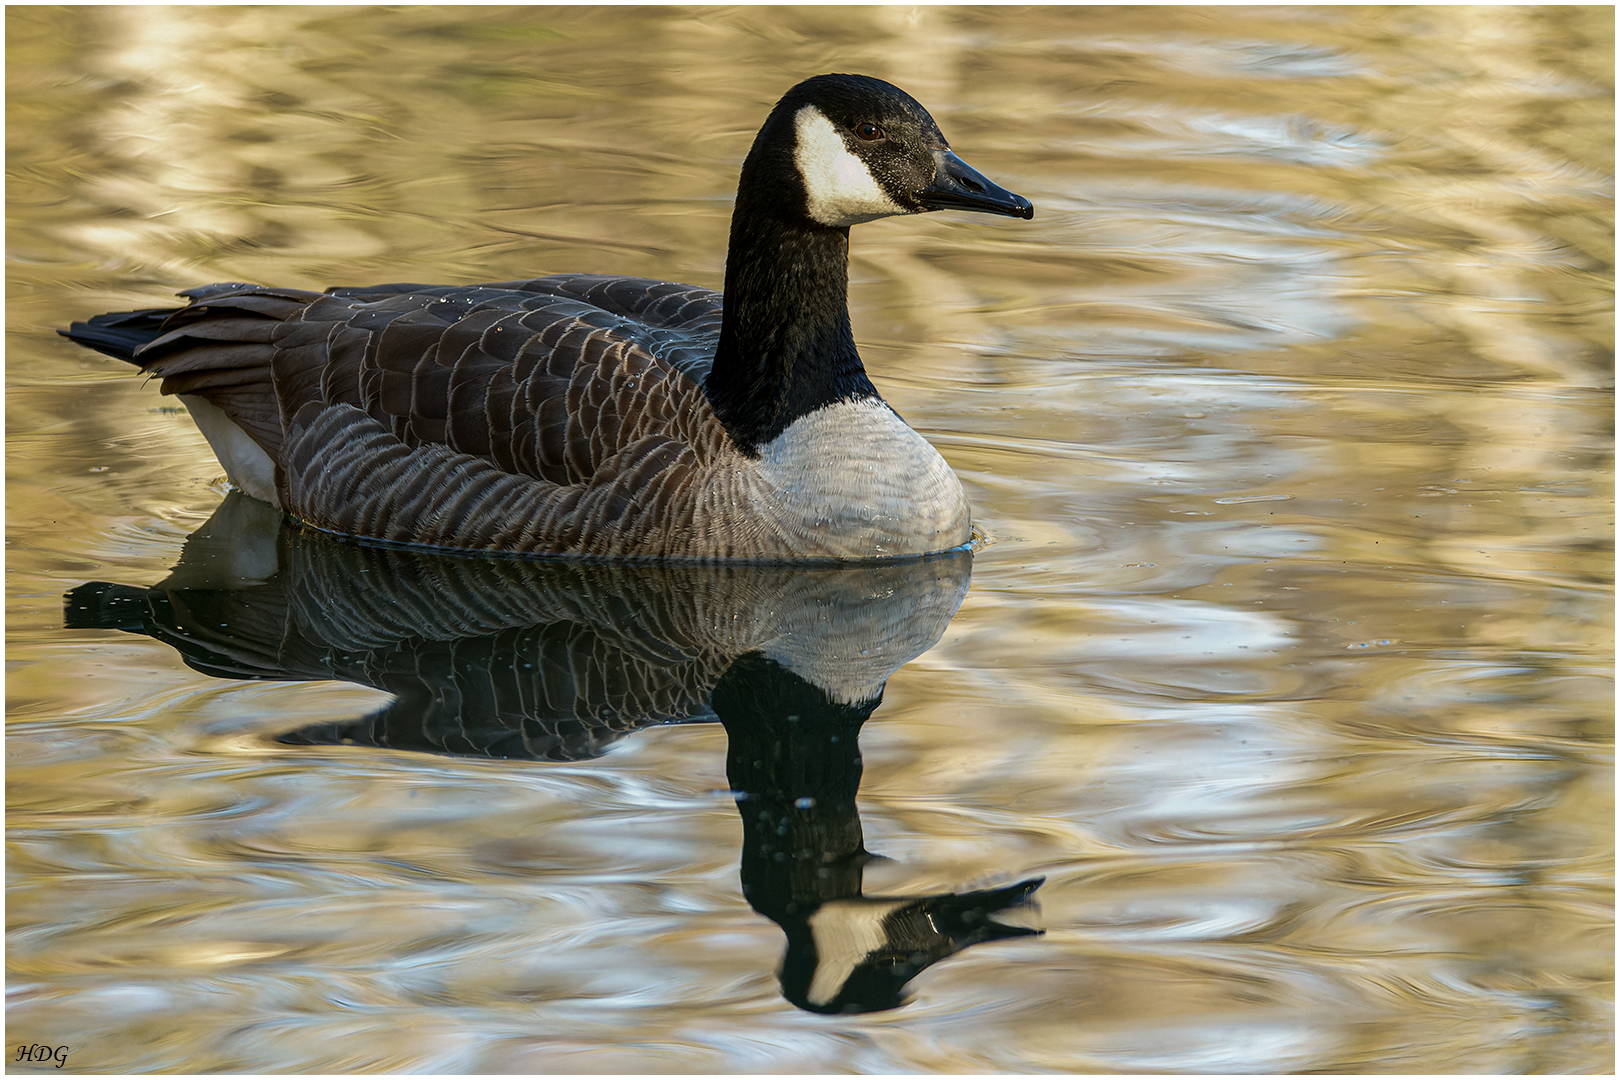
(959,186)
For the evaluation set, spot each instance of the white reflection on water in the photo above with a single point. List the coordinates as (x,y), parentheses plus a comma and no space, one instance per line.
(1317,784)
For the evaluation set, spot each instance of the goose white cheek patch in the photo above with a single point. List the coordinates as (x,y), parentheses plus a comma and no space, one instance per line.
(845,932)
(841,189)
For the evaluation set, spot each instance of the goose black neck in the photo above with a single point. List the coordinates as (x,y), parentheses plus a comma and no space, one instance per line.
(785,343)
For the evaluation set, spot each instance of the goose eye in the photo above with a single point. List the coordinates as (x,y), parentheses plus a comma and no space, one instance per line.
(868,132)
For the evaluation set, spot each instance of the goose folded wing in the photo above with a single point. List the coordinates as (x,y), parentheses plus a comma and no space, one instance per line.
(548,378)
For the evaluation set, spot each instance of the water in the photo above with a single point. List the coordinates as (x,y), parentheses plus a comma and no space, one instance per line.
(1287,664)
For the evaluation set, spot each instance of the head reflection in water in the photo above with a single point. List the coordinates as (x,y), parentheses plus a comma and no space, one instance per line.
(556,661)
(795,767)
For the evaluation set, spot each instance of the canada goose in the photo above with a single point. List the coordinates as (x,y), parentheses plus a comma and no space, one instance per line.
(522,658)
(583,414)
(557,660)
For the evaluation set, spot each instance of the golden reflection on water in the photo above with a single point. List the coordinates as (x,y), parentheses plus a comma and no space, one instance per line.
(1287,666)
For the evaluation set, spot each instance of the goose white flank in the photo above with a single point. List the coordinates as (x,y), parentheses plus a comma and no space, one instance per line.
(590,415)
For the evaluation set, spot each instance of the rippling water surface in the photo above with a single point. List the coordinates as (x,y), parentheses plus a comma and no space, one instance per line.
(1286,667)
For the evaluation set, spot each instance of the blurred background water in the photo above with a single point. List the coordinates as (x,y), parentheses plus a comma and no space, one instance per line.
(1287,665)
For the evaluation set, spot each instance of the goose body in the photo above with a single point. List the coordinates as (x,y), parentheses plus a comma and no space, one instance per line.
(584,414)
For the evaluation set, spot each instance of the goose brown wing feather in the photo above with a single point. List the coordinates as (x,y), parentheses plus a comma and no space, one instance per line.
(221,348)
(481,402)
(542,377)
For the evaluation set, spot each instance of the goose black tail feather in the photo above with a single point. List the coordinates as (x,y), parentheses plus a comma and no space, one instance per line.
(120,333)
(103,605)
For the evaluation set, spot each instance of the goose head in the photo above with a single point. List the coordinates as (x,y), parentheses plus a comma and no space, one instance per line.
(836,150)
(854,149)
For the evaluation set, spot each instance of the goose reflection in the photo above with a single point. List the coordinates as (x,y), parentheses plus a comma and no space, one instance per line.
(553,661)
